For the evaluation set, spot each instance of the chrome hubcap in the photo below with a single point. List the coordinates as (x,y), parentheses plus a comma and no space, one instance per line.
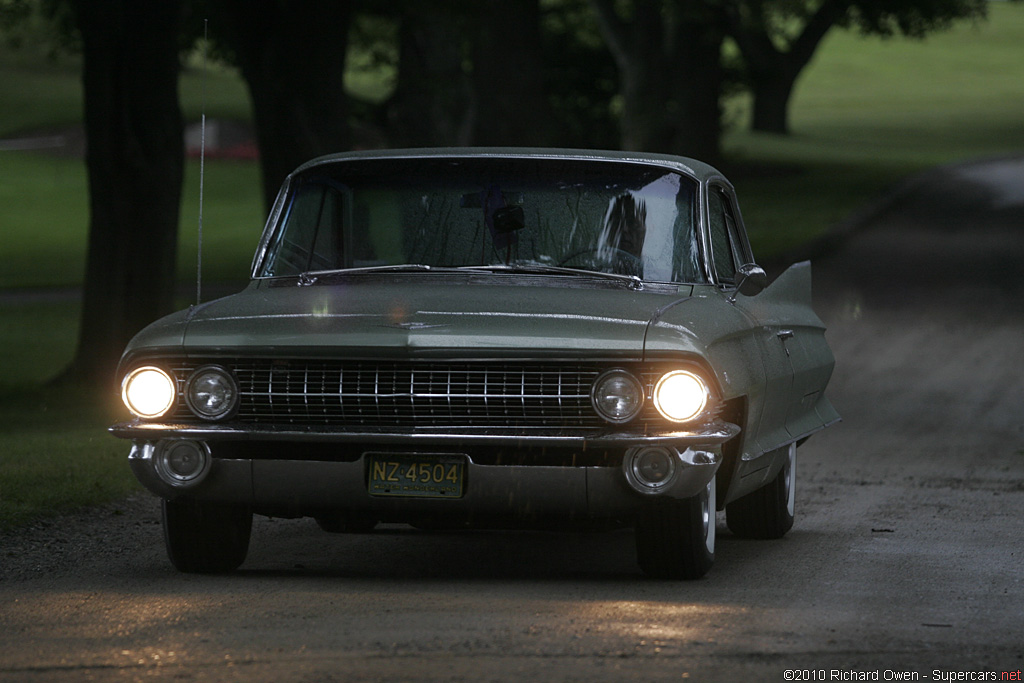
(789,477)
(708,513)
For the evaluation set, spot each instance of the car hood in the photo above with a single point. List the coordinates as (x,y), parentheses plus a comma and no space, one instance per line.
(426,315)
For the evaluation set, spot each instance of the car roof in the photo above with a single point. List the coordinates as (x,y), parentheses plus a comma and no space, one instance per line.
(697,169)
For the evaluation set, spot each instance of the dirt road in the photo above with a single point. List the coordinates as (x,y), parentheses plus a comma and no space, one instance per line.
(906,561)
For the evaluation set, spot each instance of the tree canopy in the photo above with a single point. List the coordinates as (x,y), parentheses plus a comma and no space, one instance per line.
(778,38)
(634,74)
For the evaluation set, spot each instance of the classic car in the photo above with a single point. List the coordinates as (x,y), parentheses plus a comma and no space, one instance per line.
(492,338)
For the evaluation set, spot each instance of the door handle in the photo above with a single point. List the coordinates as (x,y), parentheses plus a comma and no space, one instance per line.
(783,335)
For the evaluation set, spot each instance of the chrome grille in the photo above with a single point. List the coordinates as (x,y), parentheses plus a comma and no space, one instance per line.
(412,394)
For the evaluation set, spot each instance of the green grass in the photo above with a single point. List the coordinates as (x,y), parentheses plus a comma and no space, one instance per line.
(233,219)
(55,454)
(44,203)
(867,114)
(48,93)
(223,92)
(37,339)
(44,197)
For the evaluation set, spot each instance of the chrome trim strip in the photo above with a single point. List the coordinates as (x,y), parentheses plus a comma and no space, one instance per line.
(712,433)
(269,227)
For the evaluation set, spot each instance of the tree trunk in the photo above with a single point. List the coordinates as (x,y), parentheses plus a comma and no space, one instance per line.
(508,76)
(772,93)
(774,64)
(135,164)
(646,105)
(432,102)
(698,77)
(293,61)
(671,77)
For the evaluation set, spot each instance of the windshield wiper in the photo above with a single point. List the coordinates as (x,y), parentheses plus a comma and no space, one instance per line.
(310,277)
(394,268)
(632,281)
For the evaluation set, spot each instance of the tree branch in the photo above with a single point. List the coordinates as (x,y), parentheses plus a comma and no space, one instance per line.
(615,31)
(828,15)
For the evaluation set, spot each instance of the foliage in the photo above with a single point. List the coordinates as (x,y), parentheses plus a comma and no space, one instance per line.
(578,82)
(778,38)
(581,77)
(912,18)
(39,25)
(373,57)
(671,77)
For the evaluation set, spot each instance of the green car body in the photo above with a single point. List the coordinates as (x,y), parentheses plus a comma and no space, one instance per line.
(490,337)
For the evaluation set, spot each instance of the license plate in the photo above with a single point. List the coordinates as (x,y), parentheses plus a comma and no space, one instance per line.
(416,475)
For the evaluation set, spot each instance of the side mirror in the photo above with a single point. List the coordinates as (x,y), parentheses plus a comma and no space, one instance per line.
(752,281)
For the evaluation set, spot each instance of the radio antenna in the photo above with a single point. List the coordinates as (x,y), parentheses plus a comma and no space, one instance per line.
(202,172)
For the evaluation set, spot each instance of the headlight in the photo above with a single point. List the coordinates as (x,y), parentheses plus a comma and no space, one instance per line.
(617,396)
(681,395)
(212,393)
(148,392)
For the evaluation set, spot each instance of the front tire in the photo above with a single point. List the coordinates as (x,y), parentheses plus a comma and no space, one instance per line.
(769,511)
(206,537)
(675,538)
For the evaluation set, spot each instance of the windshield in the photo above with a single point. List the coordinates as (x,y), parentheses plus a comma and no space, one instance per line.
(620,218)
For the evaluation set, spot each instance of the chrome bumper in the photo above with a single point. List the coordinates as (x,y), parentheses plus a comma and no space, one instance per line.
(712,433)
(297,486)
(303,488)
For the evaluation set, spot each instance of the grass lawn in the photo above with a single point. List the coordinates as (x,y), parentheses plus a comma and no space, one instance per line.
(54,451)
(44,204)
(866,114)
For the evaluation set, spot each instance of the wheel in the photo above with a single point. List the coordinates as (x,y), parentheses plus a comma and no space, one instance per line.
(206,537)
(675,538)
(767,512)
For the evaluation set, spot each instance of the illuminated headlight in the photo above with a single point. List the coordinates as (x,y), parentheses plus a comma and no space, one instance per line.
(212,393)
(681,395)
(148,392)
(617,396)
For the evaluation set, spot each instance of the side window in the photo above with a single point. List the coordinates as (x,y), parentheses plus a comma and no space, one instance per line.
(311,237)
(724,242)
(327,247)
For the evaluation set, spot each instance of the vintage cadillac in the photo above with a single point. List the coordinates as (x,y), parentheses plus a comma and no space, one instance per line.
(486,337)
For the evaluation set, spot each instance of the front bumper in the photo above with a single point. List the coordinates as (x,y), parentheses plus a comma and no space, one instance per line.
(711,433)
(291,484)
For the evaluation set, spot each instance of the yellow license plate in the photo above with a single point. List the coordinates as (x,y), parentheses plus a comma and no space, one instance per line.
(416,475)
